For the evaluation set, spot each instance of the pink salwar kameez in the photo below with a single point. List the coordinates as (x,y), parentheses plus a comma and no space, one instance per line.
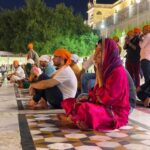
(108,107)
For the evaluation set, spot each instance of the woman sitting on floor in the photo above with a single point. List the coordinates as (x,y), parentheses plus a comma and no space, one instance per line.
(107,106)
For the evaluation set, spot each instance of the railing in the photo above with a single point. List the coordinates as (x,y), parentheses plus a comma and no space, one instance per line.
(134,10)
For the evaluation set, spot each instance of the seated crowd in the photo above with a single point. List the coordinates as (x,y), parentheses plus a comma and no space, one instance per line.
(109,92)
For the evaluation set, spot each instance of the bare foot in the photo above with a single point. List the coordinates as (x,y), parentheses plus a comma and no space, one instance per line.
(40,106)
(82,125)
(66,121)
(31,103)
(62,117)
(147,102)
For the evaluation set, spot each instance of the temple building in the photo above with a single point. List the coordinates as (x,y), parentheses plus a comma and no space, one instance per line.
(119,17)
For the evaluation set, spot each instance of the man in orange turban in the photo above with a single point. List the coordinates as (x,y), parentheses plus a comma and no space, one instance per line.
(62,85)
(32,54)
(64,54)
(133,55)
(116,39)
(130,33)
(146,29)
(18,73)
(137,30)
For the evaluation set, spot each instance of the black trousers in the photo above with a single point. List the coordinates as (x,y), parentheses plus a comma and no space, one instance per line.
(145,65)
(52,95)
(145,91)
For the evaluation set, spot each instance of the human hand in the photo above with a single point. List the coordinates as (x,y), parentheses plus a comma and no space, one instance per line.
(82,97)
(31,90)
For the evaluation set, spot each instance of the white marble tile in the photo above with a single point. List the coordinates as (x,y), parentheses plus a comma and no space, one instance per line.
(117,134)
(126,127)
(56,139)
(136,147)
(86,147)
(33,132)
(42,118)
(60,146)
(108,144)
(148,132)
(38,148)
(140,137)
(49,129)
(75,136)
(141,129)
(36,137)
(146,142)
(32,124)
(99,138)
(141,117)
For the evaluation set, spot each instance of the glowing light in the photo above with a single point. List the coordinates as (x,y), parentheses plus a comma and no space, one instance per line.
(138,1)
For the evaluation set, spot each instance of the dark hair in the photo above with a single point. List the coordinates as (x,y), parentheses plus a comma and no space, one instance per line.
(99,41)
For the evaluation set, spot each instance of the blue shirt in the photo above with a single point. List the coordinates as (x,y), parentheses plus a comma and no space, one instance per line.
(49,70)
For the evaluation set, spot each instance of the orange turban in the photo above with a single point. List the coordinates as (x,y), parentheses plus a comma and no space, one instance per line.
(61,52)
(147,28)
(30,46)
(130,33)
(137,30)
(16,62)
(116,38)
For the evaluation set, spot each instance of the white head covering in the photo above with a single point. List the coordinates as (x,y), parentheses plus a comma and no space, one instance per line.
(30,61)
(75,58)
(44,58)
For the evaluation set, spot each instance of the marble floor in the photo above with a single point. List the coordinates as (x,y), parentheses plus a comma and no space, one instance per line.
(23,129)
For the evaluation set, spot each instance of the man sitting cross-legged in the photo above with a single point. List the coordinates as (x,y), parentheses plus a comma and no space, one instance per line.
(62,85)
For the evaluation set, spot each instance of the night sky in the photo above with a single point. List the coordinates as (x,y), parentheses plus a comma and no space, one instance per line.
(79,6)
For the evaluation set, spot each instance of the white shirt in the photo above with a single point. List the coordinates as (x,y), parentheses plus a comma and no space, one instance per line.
(68,82)
(145,47)
(20,72)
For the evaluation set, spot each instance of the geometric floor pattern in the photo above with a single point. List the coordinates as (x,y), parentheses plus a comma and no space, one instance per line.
(49,134)
(43,131)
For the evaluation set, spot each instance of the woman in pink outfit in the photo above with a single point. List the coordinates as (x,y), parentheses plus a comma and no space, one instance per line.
(107,106)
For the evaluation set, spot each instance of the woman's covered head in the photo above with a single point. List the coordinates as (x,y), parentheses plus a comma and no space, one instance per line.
(108,57)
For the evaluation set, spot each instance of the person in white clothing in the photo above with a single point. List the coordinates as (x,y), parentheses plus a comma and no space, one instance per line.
(18,73)
(62,85)
(145,52)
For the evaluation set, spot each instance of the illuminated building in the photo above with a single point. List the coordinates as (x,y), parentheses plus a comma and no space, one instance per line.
(120,16)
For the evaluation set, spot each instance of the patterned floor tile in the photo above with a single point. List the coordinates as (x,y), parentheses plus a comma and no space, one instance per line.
(60,146)
(48,133)
(108,144)
(86,147)
(117,135)
(137,147)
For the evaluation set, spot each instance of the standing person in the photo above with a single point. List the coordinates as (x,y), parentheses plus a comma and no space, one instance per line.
(62,85)
(46,66)
(32,54)
(116,39)
(107,105)
(145,52)
(133,57)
